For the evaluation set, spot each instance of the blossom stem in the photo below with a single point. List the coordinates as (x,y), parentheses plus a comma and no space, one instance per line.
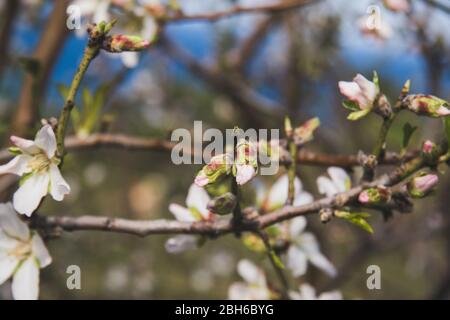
(90,53)
(380,147)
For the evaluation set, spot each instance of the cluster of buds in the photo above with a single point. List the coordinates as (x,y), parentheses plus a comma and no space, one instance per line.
(218,168)
(426,105)
(361,95)
(223,204)
(377,195)
(246,161)
(304,133)
(422,184)
(121,43)
(97,32)
(430,152)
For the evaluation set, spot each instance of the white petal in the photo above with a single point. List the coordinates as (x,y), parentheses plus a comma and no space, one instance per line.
(308,242)
(198,198)
(349,89)
(340,178)
(40,251)
(129,59)
(11,224)
(25,145)
(331,295)
(46,140)
(181,213)
(296,261)
(17,165)
(25,285)
(58,186)
(303,198)
(296,226)
(181,243)
(368,88)
(7,266)
(7,243)
(278,193)
(251,273)
(101,12)
(29,195)
(307,292)
(321,262)
(326,186)
(242,291)
(244,173)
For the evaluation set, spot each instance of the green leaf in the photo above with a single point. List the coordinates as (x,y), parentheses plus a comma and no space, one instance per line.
(408,131)
(358,114)
(350,105)
(357,218)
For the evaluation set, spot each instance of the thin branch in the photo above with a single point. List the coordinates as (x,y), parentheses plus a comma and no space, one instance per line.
(235,10)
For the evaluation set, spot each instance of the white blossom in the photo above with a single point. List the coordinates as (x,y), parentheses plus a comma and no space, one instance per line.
(37,163)
(337,182)
(307,292)
(254,286)
(22,254)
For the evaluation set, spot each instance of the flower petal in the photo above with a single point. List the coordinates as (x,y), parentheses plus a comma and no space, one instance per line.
(40,251)
(11,224)
(326,186)
(25,285)
(340,178)
(46,140)
(368,88)
(296,226)
(251,273)
(27,146)
(17,165)
(307,292)
(7,266)
(350,90)
(331,295)
(181,213)
(181,243)
(278,193)
(244,173)
(29,195)
(198,198)
(303,198)
(296,261)
(58,186)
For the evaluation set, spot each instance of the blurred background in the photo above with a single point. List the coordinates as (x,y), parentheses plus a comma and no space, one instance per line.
(247,70)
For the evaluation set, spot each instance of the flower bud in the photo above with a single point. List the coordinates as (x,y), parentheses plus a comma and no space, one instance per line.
(422,184)
(246,161)
(223,204)
(216,169)
(376,195)
(430,152)
(304,133)
(120,43)
(325,215)
(426,105)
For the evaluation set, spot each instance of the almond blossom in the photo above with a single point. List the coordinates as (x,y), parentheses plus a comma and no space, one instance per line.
(37,163)
(337,182)
(397,5)
(255,285)
(22,254)
(195,210)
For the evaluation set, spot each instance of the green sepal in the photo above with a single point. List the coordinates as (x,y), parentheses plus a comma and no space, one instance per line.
(358,114)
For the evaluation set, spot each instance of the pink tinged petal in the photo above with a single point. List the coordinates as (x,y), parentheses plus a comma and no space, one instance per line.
(350,90)
(181,213)
(296,261)
(25,285)
(46,140)
(244,174)
(251,273)
(297,226)
(29,195)
(18,165)
(27,146)
(364,197)
(326,186)
(181,243)
(11,224)
(198,198)
(40,251)
(201,179)
(7,266)
(58,186)
(368,88)
(340,178)
(443,111)
(397,5)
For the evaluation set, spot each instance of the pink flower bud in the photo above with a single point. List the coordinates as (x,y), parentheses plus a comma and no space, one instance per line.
(422,184)
(361,91)
(428,146)
(120,43)
(427,105)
